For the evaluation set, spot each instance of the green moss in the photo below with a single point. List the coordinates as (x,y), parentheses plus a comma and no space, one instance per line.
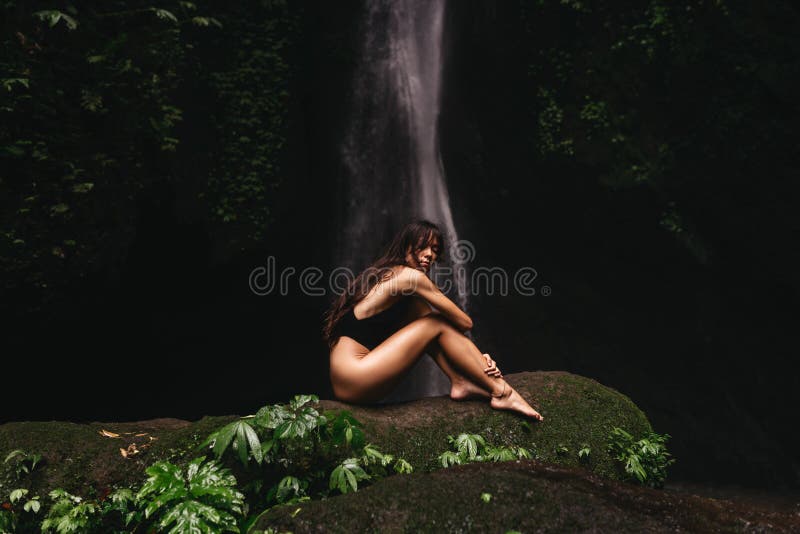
(78,458)
(526,496)
(578,411)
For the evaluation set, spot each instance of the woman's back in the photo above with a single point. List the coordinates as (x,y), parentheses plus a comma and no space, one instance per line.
(378,315)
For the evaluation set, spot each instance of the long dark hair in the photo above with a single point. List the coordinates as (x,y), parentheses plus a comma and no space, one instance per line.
(414,236)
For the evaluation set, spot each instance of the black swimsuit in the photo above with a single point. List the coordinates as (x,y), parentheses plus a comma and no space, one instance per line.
(371,331)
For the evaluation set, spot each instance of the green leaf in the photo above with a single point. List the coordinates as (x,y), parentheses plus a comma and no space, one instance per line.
(17,494)
(523,453)
(449,458)
(58,209)
(254,442)
(224,437)
(346,475)
(201,21)
(58,494)
(123,495)
(241,441)
(351,479)
(32,505)
(165,15)
(52,17)
(470,444)
(372,455)
(270,417)
(500,454)
(165,481)
(13,454)
(403,467)
(486,497)
(82,188)
(8,83)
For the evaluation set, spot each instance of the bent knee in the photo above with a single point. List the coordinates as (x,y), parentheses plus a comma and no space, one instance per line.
(436,321)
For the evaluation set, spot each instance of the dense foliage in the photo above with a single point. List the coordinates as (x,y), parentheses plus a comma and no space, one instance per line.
(645,460)
(683,99)
(298,453)
(102,103)
(302,453)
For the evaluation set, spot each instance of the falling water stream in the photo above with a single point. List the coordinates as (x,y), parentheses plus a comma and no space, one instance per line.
(391,151)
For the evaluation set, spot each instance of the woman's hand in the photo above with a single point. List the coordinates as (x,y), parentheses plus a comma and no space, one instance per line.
(491,367)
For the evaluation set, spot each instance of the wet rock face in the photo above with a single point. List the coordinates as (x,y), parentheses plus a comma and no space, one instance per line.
(525,496)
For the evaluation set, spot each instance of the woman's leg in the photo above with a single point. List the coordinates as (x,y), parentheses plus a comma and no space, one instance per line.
(461,388)
(370,378)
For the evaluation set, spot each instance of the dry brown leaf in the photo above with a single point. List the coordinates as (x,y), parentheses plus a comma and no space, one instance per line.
(141,434)
(108,434)
(130,451)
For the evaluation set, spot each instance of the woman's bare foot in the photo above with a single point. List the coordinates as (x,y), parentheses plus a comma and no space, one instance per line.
(464,389)
(511,400)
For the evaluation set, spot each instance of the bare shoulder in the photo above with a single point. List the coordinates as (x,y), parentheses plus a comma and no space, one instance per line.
(409,278)
(404,271)
(401,280)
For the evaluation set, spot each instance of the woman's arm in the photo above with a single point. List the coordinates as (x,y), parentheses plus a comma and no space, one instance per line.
(413,282)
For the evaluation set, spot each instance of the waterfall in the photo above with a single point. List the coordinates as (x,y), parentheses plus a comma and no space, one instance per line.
(390,152)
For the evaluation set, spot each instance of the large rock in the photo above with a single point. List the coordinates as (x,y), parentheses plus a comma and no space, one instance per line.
(525,496)
(578,412)
(81,458)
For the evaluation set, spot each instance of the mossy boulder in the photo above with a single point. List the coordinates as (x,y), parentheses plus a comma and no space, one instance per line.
(523,496)
(82,459)
(579,412)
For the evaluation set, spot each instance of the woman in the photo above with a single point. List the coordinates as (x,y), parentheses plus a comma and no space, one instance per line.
(383,323)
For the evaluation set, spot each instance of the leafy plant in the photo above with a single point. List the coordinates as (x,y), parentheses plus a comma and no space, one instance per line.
(31,505)
(127,79)
(25,462)
(205,500)
(311,453)
(403,467)
(645,460)
(289,490)
(15,518)
(473,448)
(70,513)
(346,475)
(240,436)
(122,502)
(584,452)
(294,421)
